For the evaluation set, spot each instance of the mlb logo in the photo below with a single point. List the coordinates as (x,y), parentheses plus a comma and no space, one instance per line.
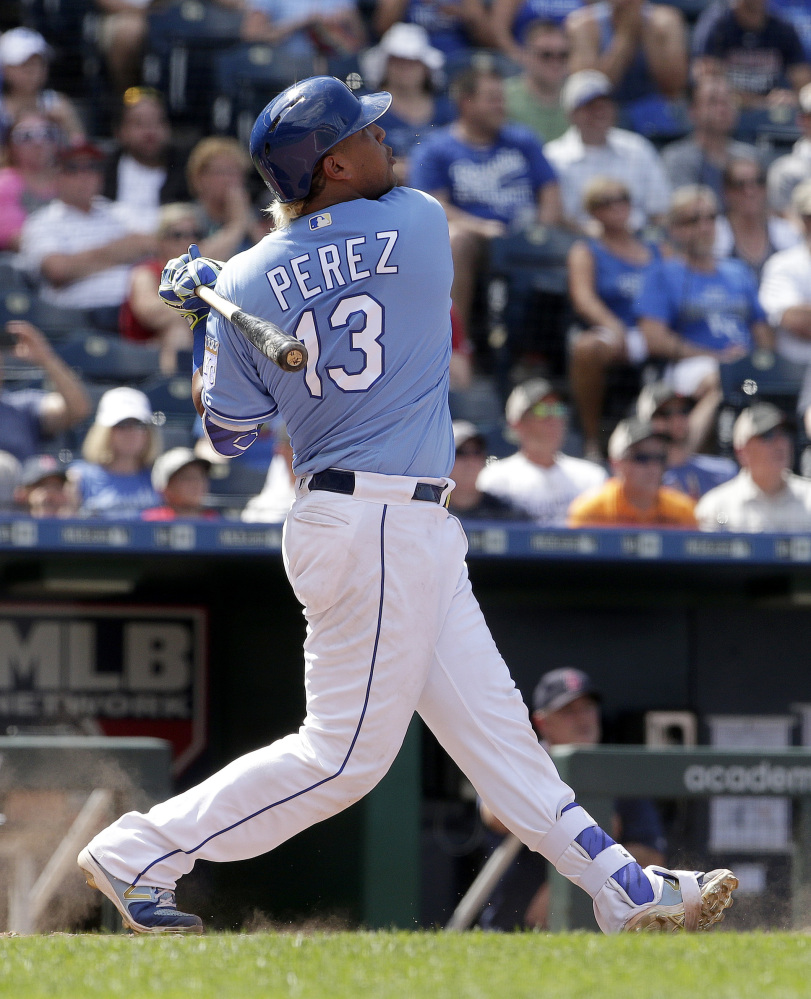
(319,221)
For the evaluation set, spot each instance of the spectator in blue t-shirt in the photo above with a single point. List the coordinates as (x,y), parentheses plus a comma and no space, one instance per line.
(697,312)
(605,275)
(29,417)
(490,176)
(454,26)
(114,481)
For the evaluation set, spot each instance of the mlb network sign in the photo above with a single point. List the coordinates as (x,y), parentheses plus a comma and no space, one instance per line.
(117,671)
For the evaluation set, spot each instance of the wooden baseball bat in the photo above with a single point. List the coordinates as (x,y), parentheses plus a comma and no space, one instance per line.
(290,354)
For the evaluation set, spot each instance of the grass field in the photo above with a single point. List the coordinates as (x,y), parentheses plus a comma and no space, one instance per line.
(403,965)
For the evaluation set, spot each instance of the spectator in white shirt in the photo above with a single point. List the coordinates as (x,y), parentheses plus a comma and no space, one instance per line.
(539,479)
(592,147)
(81,246)
(765,495)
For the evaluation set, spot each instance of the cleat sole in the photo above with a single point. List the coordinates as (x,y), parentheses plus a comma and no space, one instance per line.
(716,898)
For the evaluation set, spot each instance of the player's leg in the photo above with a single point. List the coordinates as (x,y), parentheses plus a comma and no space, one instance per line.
(375,596)
(471,704)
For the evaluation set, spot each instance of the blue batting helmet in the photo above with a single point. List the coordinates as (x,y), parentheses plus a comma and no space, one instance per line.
(301,124)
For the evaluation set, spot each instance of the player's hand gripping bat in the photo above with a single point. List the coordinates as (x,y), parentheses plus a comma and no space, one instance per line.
(290,354)
(187,286)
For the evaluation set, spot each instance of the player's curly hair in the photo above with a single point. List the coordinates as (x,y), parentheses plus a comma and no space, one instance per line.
(283,213)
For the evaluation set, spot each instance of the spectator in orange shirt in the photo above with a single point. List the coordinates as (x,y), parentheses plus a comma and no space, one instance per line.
(634,496)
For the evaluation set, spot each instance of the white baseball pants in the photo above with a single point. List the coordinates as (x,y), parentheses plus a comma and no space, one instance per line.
(392,628)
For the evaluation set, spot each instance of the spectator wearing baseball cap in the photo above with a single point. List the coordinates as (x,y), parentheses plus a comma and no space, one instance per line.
(642,49)
(669,412)
(765,495)
(539,479)
(635,494)
(24,58)
(467,501)
(181,478)
(113,481)
(43,491)
(565,711)
(593,147)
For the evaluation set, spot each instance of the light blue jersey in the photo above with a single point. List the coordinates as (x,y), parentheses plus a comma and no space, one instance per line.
(366,286)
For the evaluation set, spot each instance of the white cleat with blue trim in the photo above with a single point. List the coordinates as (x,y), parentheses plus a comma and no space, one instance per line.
(143,908)
(686,900)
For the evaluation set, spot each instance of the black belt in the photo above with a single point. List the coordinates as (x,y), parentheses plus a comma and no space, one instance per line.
(336,480)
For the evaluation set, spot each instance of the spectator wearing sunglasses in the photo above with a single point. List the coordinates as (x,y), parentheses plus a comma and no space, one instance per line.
(749,231)
(467,501)
(143,317)
(634,495)
(533,97)
(539,479)
(28,181)
(697,312)
(81,246)
(689,472)
(605,276)
(765,495)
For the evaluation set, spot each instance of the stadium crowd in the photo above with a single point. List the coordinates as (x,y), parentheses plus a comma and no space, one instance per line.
(628,191)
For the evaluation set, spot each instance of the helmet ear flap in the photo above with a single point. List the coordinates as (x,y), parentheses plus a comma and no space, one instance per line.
(303,123)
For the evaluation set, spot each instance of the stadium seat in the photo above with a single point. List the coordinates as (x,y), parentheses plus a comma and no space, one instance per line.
(528,304)
(171,394)
(17,296)
(246,77)
(183,39)
(108,359)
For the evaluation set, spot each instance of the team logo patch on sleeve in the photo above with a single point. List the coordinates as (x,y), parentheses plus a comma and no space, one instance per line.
(210,362)
(320,221)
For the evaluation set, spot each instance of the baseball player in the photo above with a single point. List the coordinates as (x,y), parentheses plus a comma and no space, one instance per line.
(360,271)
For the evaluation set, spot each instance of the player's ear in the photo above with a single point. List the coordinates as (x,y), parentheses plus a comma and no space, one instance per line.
(335,166)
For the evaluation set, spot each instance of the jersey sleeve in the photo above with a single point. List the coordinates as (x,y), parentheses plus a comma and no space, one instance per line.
(234,396)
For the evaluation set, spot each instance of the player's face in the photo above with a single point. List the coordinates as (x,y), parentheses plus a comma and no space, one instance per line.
(371,160)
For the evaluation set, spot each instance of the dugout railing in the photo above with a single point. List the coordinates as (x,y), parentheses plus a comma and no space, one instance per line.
(679,775)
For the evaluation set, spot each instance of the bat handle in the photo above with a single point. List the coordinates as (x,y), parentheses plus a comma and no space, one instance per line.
(284,350)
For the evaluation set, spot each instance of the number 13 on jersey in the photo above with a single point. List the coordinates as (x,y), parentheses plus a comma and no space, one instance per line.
(365,339)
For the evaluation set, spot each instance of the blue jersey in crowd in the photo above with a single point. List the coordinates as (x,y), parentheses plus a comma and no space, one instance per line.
(712,310)
(542,10)
(365,285)
(111,495)
(699,474)
(500,181)
(403,135)
(619,282)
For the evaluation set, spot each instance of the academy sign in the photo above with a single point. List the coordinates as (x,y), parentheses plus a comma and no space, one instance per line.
(762,778)
(118,670)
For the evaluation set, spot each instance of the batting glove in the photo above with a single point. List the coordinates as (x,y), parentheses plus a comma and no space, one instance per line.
(181,278)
